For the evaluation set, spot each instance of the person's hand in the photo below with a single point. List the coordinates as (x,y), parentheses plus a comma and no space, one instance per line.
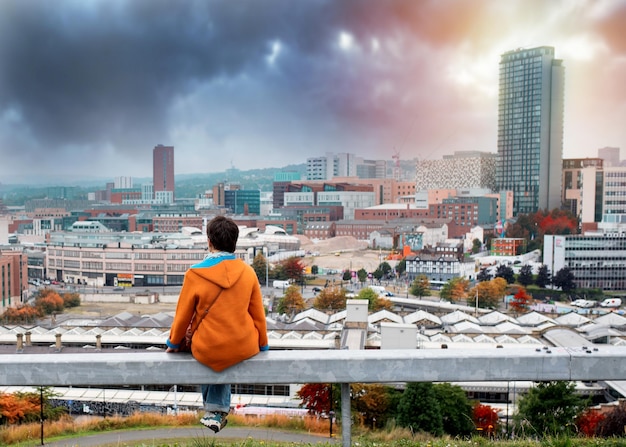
(168,350)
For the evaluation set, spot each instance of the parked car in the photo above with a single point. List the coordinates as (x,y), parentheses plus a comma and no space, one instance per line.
(611,302)
(584,303)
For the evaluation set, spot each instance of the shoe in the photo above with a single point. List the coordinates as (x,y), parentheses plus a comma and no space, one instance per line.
(214,421)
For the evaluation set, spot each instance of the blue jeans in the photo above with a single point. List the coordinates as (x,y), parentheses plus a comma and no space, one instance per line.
(216,398)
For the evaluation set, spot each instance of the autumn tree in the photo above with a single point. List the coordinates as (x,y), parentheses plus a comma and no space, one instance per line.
(485,418)
(489,293)
(420,286)
(331,298)
(455,289)
(24,313)
(292,302)
(294,269)
(589,421)
(372,402)
(613,422)
(49,301)
(521,301)
(70,300)
(316,397)
(525,276)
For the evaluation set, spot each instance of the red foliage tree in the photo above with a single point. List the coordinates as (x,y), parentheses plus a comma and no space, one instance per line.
(521,301)
(315,397)
(587,422)
(485,418)
(294,269)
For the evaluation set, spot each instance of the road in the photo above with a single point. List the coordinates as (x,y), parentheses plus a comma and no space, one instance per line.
(193,433)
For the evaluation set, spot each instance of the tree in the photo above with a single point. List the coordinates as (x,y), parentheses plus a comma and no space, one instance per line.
(489,293)
(521,301)
(292,302)
(543,277)
(588,422)
(418,409)
(485,418)
(484,275)
(614,422)
(347,275)
(401,267)
(455,289)
(259,265)
(476,246)
(362,275)
(456,409)
(506,272)
(549,409)
(315,397)
(368,294)
(420,286)
(378,274)
(70,300)
(294,269)
(525,276)
(48,302)
(372,403)
(564,280)
(385,268)
(331,298)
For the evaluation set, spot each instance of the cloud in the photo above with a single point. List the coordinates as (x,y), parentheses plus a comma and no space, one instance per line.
(91,86)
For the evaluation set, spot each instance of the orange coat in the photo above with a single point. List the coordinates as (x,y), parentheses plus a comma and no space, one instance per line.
(234,329)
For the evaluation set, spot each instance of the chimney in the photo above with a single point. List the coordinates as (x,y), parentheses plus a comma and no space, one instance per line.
(20,343)
(58,342)
(99,342)
(28,342)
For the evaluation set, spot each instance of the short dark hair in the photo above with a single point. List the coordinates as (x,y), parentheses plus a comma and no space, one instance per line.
(223,233)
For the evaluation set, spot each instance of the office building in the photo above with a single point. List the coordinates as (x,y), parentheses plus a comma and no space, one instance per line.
(610,155)
(573,169)
(530,128)
(163,171)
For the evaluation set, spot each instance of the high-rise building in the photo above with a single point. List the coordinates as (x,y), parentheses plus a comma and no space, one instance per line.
(163,170)
(610,155)
(530,128)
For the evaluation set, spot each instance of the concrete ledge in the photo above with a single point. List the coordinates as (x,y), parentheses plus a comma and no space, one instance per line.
(318,366)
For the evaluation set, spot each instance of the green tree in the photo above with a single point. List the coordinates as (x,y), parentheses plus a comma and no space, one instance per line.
(385,268)
(401,267)
(525,276)
(564,280)
(549,409)
(378,274)
(483,275)
(362,275)
(376,302)
(476,246)
(543,277)
(259,265)
(418,409)
(420,286)
(346,275)
(456,409)
(506,272)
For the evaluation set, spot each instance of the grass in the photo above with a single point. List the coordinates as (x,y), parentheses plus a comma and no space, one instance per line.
(27,435)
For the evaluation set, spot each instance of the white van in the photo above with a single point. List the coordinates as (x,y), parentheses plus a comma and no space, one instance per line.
(611,302)
(381,291)
(278,284)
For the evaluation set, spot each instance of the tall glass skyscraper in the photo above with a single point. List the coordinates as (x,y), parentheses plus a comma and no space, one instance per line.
(530,128)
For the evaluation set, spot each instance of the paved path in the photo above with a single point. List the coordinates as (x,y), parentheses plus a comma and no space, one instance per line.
(257,434)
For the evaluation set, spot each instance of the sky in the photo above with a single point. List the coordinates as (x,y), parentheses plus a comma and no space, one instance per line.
(89,87)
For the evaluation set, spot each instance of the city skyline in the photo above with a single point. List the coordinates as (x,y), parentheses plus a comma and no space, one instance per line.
(244,86)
